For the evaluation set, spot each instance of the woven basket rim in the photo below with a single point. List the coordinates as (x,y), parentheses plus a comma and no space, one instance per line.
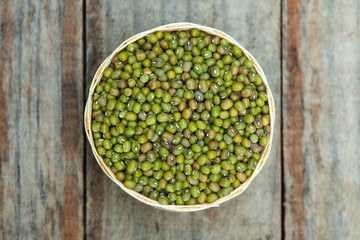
(138,196)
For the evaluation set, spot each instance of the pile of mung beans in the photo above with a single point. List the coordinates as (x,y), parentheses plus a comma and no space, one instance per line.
(181,117)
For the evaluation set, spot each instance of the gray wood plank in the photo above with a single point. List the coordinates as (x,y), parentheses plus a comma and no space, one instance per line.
(111,214)
(41,92)
(321,119)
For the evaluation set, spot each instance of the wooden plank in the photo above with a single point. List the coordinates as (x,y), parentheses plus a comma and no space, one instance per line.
(321,119)
(256,26)
(41,183)
(111,26)
(111,214)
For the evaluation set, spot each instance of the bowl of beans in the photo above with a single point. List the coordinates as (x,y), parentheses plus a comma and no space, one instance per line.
(180,117)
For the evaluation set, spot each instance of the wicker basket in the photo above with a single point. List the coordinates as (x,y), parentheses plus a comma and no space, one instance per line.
(111,175)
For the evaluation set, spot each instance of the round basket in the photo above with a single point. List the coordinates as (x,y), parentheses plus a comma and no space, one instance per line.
(138,196)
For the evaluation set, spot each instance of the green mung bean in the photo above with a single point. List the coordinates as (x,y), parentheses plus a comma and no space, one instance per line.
(181,117)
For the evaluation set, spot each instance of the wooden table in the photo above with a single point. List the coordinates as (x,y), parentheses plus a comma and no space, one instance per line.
(50,184)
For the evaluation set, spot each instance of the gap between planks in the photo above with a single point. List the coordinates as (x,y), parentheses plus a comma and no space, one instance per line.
(282,164)
(83,107)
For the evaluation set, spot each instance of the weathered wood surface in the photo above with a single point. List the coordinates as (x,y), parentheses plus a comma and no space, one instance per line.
(321,116)
(41,130)
(256,214)
(48,191)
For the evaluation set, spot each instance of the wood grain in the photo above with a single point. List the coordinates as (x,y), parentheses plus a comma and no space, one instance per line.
(294,123)
(5,73)
(41,86)
(111,213)
(321,119)
(42,139)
